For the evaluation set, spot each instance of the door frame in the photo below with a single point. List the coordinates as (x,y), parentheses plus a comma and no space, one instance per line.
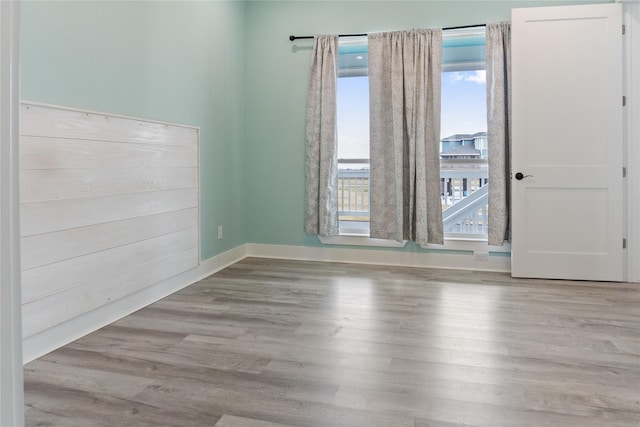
(631,52)
(11,365)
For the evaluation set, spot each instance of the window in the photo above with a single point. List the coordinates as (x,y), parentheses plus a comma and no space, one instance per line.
(463,147)
(353,137)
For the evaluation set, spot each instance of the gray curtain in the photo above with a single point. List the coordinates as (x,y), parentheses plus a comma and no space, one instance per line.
(404,95)
(498,62)
(321,163)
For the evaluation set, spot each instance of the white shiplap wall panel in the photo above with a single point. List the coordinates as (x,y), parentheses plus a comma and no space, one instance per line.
(56,215)
(92,268)
(43,153)
(109,206)
(42,185)
(42,249)
(58,308)
(40,120)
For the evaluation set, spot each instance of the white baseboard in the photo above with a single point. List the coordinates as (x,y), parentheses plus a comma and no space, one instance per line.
(46,341)
(461,261)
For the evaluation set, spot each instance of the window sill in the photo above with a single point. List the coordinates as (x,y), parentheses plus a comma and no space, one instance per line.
(360,240)
(469,244)
(450,244)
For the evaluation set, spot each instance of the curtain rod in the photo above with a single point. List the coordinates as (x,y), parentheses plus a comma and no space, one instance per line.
(292,37)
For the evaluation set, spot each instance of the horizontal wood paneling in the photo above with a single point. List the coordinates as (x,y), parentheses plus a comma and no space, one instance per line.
(109,206)
(42,249)
(41,185)
(38,120)
(77,301)
(89,269)
(53,153)
(56,215)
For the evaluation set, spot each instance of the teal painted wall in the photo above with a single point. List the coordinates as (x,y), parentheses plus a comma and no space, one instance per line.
(180,62)
(226,67)
(277,81)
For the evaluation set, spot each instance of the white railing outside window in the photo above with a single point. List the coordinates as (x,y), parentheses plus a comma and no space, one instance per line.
(464,196)
(353,196)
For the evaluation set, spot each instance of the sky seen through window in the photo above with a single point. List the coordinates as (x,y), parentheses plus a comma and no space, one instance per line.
(463,110)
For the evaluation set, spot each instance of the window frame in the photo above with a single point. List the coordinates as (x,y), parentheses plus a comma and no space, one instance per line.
(352,53)
(452,241)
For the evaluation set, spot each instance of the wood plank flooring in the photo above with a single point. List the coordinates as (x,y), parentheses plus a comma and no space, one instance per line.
(272,343)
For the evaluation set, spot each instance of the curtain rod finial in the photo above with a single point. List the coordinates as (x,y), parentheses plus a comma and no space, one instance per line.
(292,38)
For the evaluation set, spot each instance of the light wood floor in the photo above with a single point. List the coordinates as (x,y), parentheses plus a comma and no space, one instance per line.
(273,343)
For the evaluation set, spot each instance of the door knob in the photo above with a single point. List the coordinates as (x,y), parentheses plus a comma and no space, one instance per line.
(520,176)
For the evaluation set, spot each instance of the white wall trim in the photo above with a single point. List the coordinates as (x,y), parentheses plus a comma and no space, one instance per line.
(46,341)
(11,377)
(450,243)
(467,244)
(380,257)
(105,113)
(632,117)
(355,240)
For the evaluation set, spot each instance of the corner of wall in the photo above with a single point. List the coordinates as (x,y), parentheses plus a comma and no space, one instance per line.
(48,340)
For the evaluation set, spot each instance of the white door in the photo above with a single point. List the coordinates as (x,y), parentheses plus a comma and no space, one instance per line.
(567,143)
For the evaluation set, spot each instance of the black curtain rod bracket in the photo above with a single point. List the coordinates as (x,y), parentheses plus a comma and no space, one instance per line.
(292,37)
